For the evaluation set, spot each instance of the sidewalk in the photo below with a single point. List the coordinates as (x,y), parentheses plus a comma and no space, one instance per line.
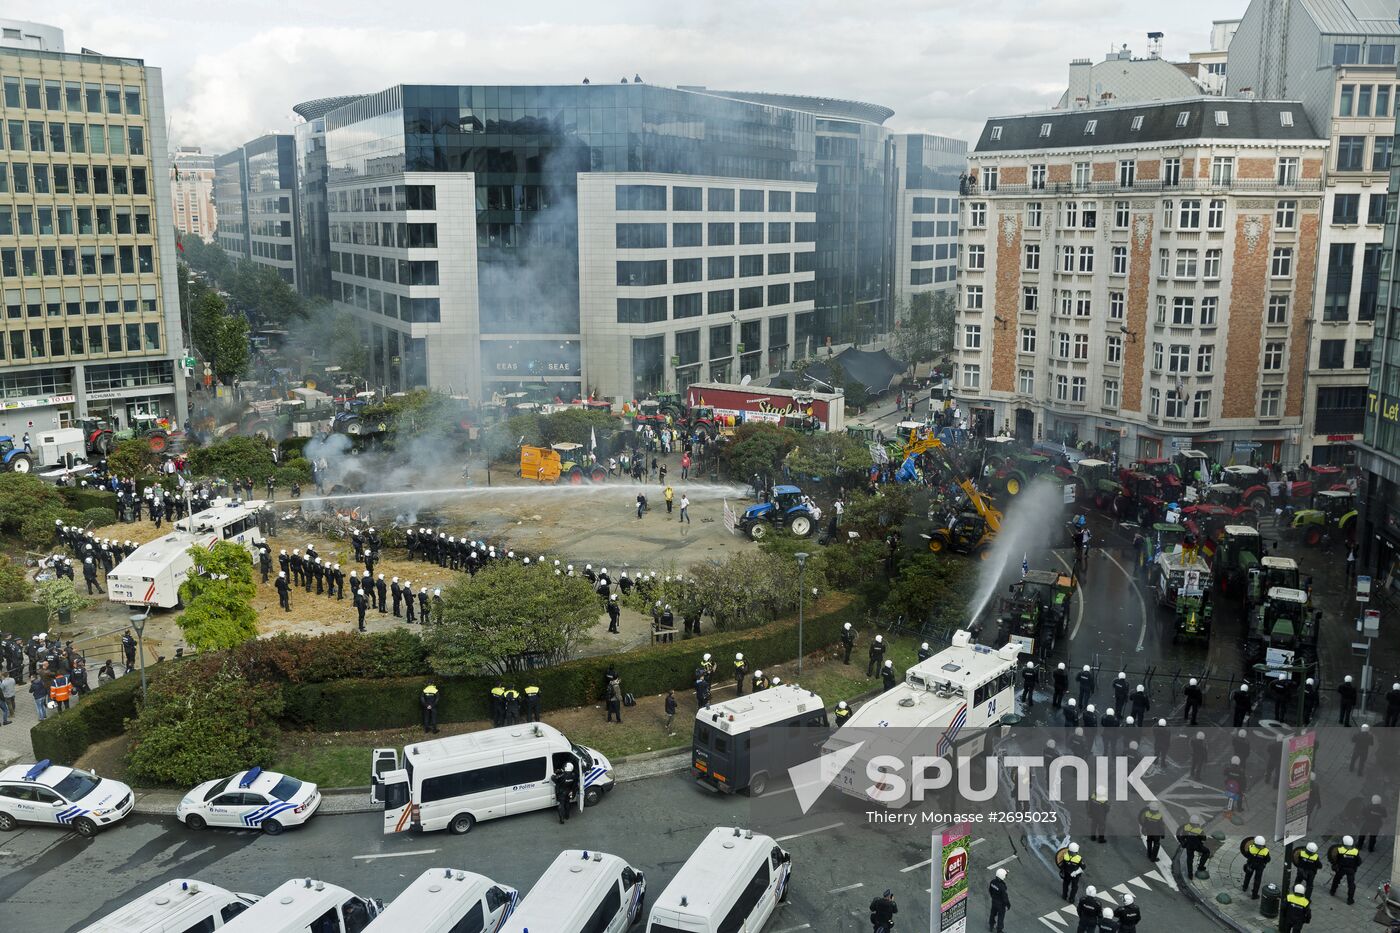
(1222,898)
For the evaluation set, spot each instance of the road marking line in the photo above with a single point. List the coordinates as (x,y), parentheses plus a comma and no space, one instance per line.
(1142,602)
(1049,924)
(1123,888)
(774,793)
(1103,896)
(849,887)
(1070,909)
(1140,883)
(927,861)
(805,926)
(995,865)
(978,842)
(394,854)
(819,829)
(1053,915)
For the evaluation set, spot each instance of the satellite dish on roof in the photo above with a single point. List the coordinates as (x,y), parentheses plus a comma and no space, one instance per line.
(746,380)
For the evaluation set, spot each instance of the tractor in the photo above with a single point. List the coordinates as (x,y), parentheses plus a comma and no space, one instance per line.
(1333,512)
(559,463)
(1237,555)
(1252,483)
(1272,572)
(970,530)
(1035,613)
(1179,573)
(14,459)
(1282,632)
(785,508)
(1193,612)
(1095,483)
(98,436)
(1141,498)
(1162,470)
(1017,470)
(1221,507)
(1191,466)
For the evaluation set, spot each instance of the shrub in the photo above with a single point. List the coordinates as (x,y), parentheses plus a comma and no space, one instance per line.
(23,619)
(97,517)
(201,720)
(83,499)
(299,659)
(36,529)
(292,447)
(14,582)
(102,714)
(59,595)
(295,470)
(234,457)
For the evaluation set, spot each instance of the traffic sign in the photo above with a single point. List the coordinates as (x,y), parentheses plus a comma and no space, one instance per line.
(1363,588)
(1371,623)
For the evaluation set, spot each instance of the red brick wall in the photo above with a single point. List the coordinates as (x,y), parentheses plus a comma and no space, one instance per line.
(1254,168)
(1013,175)
(1005,299)
(1149,169)
(1135,315)
(1105,171)
(1248,295)
(1059,174)
(1305,276)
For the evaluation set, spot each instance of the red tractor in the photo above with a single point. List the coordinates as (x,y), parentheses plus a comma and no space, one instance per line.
(1223,505)
(1164,471)
(1141,498)
(1252,483)
(97,436)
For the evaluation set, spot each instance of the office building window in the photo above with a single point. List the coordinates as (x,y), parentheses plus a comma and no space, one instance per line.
(1337,296)
(687,235)
(1127,173)
(1027,339)
(722,267)
(640,198)
(1375,209)
(1285,215)
(972,336)
(687,270)
(1116,305)
(1210,269)
(1110,393)
(1269,400)
(1210,305)
(1121,215)
(1183,310)
(1200,405)
(1030,298)
(972,376)
(1273,355)
(1215,215)
(1062,388)
(1222,171)
(1276,311)
(973,299)
(720,234)
(1346,208)
(721,199)
(1113,349)
(1205,358)
(687,305)
(1381,150)
(1351,153)
(977,214)
(1281,266)
(1331,354)
(1033,214)
(976,257)
(1025,381)
(1032,257)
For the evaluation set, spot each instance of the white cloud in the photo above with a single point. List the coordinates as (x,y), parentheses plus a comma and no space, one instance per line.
(943,66)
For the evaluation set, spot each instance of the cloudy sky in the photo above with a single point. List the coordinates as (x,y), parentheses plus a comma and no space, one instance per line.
(233,69)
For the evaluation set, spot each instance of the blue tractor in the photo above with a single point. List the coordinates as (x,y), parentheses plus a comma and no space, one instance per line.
(786,508)
(14,459)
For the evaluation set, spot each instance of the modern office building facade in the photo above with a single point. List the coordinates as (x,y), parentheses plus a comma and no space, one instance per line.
(612,239)
(1378,452)
(925,251)
(1142,277)
(1338,58)
(231,203)
(91,322)
(313,247)
(192,192)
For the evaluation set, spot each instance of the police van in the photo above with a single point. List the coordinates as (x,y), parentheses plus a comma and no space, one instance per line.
(443,900)
(151,575)
(178,906)
(305,905)
(949,702)
(739,744)
(53,794)
(733,881)
(455,782)
(582,892)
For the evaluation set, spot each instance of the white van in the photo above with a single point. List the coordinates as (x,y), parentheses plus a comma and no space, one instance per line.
(582,892)
(454,783)
(151,575)
(178,906)
(732,882)
(443,900)
(305,905)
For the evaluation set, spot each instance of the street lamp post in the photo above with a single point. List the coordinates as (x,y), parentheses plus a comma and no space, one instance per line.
(801,579)
(138,622)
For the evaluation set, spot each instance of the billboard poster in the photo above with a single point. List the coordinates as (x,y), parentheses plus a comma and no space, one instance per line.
(951,867)
(1298,754)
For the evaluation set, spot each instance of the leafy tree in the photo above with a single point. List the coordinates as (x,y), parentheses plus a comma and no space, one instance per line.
(201,720)
(131,457)
(328,336)
(264,295)
(826,456)
(23,495)
(924,327)
(14,583)
(758,449)
(234,457)
(505,610)
(224,559)
(218,599)
(219,336)
(59,595)
(932,589)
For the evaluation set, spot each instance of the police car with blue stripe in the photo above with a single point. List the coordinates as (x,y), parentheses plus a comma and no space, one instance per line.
(252,799)
(49,793)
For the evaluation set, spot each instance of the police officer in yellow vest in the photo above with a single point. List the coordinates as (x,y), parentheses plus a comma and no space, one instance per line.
(1071,870)
(1346,858)
(532,703)
(741,669)
(512,706)
(843,712)
(1192,837)
(1150,824)
(498,705)
(1307,863)
(1256,857)
(1297,910)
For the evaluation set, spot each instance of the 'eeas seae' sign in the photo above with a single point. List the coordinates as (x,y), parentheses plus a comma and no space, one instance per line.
(759,403)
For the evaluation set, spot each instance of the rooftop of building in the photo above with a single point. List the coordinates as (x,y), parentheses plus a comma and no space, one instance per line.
(1161,121)
(310,110)
(833,107)
(1353,17)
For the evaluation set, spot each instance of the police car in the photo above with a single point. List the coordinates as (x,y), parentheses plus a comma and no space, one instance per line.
(252,799)
(48,793)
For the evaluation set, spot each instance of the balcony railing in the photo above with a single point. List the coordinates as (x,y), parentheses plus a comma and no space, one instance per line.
(1149,187)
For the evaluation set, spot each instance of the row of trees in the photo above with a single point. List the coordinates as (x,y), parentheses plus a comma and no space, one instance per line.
(219,335)
(255,290)
(765,449)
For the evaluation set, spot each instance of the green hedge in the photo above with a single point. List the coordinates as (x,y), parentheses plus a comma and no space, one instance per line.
(102,714)
(23,619)
(292,447)
(391,703)
(81,500)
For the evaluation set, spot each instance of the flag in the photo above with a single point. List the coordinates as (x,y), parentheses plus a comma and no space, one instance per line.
(1208,548)
(180,246)
(1025,565)
(945,743)
(593,440)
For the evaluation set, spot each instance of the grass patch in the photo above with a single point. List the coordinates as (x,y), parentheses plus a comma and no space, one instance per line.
(325,765)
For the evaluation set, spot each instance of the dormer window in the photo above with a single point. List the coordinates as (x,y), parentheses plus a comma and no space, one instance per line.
(1285,118)
(1137,123)
(1183,118)
(996,133)
(1222,118)
(1044,130)
(1090,127)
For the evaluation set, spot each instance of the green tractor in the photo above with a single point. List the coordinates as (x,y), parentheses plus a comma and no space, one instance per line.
(1282,631)
(1036,612)
(1193,612)
(1272,572)
(1017,470)
(1095,483)
(1333,512)
(1236,555)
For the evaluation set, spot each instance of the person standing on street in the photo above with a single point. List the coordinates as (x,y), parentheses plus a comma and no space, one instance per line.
(848,641)
(671,706)
(669,495)
(428,700)
(1085,679)
(1372,819)
(888,679)
(741,668)
(614,615)
(882,911)
(565,790)
(1150,824)
(1307,863)
(1128,915)
(7,696)
(1297,910)
(1089,910)
(877,656)
(1001,901)
(361,604)
(1346,690)
(1360,749)
(614,699)
(532,703)
(283,594)
(1061,683)
(1242,701)
(1071,870)
(61,690)
(1193,696)
(685,509)
(40,692)
(129,650)
(1392,706)
(1256,859)
(1346,859)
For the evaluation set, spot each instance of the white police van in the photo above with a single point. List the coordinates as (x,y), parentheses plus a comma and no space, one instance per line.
(455,782)
(252,799)
(732,883)
(49,793)
(443,900)
(305,905)
(178,906)
(582,892)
